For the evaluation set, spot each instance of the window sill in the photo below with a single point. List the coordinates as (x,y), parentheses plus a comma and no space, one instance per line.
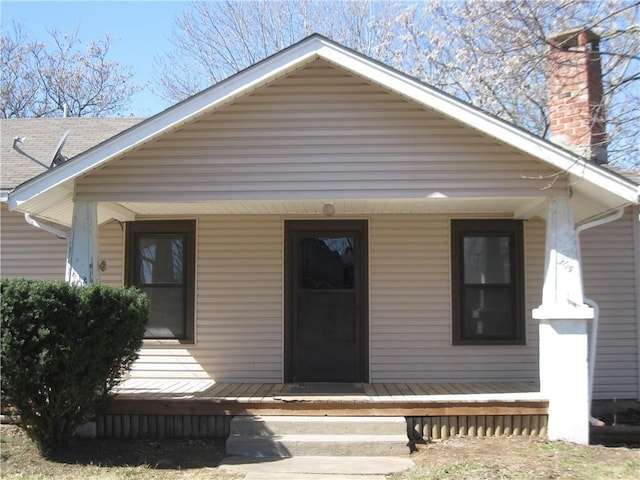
(165,342)
(479,343)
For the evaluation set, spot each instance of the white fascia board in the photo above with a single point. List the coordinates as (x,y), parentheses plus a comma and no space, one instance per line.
(473,117)
(181,113)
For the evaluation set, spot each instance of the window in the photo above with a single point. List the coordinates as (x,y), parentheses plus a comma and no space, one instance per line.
(487,282)
(160,261)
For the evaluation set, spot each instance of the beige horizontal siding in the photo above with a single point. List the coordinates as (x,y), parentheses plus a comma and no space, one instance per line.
(27,251)
(411,313)
(610,279)
(239,329)
(112,253)
(320,133)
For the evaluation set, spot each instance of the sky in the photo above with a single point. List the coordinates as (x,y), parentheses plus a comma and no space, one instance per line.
(142,30)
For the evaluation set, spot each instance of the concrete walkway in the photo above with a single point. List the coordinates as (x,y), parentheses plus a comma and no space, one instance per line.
(316,468)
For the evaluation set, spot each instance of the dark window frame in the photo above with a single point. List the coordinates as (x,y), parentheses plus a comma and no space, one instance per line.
(513,229)
(163,227)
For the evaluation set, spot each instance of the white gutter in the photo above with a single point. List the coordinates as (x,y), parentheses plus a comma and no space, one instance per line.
(593,340)
(47,228)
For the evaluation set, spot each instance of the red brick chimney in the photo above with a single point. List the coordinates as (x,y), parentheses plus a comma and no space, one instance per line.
(576,111)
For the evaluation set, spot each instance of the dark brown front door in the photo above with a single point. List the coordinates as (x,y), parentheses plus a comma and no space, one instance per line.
(326,301)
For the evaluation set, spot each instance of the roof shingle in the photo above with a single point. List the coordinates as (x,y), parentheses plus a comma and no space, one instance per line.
(41,136)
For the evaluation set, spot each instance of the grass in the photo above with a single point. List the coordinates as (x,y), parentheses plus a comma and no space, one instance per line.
(454,459)
(521,459)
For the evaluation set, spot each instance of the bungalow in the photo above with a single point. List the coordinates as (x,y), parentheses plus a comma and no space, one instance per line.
(321,219)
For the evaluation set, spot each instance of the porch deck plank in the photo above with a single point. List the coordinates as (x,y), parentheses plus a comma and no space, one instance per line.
(224,389)
(262,392)
(429,390)
(404,389)
(213,391)
(437,389)
(416,389)
(447,389)
(238,390)
(369,389)
(273,391)
(393,390)
(381,390)
(252,390)
(460,389)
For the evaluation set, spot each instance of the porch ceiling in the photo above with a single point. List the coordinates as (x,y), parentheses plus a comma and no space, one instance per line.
(61,212)
(341,206)
(520,207)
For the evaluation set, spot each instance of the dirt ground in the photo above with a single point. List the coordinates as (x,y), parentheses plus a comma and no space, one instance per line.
(454,459)
(167,454)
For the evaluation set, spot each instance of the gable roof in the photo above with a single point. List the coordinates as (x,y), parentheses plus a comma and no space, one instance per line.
(32,153)
(298,56)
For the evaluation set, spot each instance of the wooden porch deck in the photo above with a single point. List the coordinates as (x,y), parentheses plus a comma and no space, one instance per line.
(205,397)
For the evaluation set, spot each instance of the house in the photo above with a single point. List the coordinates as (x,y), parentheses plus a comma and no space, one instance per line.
(322,218)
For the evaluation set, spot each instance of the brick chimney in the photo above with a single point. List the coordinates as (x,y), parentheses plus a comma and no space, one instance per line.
(576,111)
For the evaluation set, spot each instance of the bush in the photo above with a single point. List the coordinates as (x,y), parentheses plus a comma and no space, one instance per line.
(64,348)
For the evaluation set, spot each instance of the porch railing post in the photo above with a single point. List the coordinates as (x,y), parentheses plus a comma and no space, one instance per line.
(563,318)
(82,255)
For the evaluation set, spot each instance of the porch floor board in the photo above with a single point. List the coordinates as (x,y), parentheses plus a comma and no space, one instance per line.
(205,397)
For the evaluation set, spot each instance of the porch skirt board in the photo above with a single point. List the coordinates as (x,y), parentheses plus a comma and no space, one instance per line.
(428,429)
(419,429)
(163,426)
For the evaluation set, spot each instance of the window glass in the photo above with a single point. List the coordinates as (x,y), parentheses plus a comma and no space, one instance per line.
(487,259)
(326,263)
(160,259)
(488,313)
(166,312)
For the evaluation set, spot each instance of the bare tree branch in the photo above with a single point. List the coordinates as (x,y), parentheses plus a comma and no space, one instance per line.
(40,81)
(490,53)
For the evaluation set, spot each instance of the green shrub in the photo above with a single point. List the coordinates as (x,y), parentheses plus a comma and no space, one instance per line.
(63,348)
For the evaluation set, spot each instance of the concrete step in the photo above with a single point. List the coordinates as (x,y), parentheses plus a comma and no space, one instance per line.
(310,476)
(315,444)
(318,465)
(283,425)
(287,436)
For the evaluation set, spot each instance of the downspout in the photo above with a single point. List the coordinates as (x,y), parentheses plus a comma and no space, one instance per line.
(47,228)
(593,340)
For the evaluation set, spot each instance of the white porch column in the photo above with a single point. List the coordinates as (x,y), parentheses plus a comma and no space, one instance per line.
(563,316)
(82,255)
